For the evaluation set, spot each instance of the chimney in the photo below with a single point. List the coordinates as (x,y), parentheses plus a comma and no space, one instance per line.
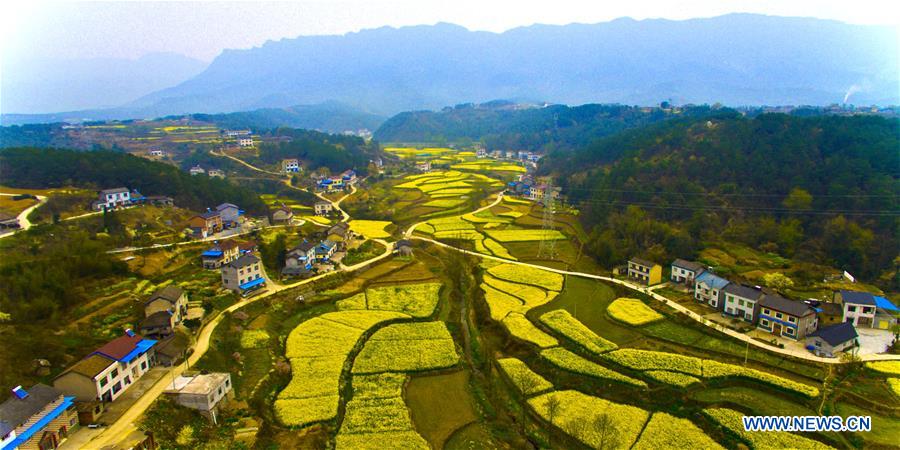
(19,392)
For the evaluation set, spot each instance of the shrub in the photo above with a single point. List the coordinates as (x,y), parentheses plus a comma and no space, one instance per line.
(571,362)
(254,338)
(526,381)
(632,312)
(563,323)
(665,431)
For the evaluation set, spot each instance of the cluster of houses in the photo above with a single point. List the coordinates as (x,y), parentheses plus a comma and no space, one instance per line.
(522,155)
(241,270)
(122,197)
(244,138)
(826,327)
(526,187)
(339,182)
(224,216)
(314,254)
(42,417)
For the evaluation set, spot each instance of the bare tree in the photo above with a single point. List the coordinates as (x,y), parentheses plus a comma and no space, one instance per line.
(526,385)
(552,410)
(604,427)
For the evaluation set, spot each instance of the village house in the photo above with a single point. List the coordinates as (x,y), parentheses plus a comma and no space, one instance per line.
(708,288)
(196,170)
(299,260)
(248,247)
(830,313)
(38,418)
(158,325)
(646,272)
(685,272)
(481,153)
(290,165)
(830,340)
(786,318)
(537,193)
(325,250)
(159,200)
(108,371)
(742,301)
(859,307)
(170,299)
(156,153)
(243,275)
(246,141)
(323,208)
(423,166)
(171,350)
(112,199)
(283,214)
(203,392)
(205,224)
(221,253)
(403,247)
(215,173)
(339,233)
(230,213)
(8,221)
(236,133)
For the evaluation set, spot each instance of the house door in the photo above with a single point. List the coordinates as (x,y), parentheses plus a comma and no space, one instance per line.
(776,329)
(48,441)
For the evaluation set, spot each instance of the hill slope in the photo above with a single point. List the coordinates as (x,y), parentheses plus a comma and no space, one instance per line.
(823,187)
(734,59)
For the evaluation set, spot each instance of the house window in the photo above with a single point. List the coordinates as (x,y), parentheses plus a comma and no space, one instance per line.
(740,302)
(764,323)
(851,309)
(748,316)
(227,383)
(792,319)
(789,331)
(766,311)
(144,365)
(114,374)
(778,315)
(117,387)
(104,381)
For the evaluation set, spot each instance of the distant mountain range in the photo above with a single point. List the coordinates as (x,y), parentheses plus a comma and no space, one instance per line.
(737,59)
(48,85)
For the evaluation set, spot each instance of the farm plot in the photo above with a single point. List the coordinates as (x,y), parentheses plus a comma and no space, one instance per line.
(665,431)
(318,349)
(508,300)
(524,235)
(371,229)
(563,323)
(377,416)
(417,153)
(632,311)
(417,300)
(489,166)
(528,275)
(407,347)
(571,362)
(885,367)
(574,408)
(731,421)
(526,381)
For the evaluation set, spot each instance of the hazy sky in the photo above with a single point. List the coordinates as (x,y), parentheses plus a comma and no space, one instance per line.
(129,29)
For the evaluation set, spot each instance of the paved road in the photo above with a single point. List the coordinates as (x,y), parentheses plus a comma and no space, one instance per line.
(126,423)
(674,305)
(22,218)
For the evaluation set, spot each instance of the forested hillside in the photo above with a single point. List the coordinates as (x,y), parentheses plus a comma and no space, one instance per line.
(331,117)
(335,151)
(504,125)
(43,168)
(817,188)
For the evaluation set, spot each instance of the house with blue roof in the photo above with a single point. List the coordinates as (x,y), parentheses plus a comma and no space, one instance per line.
(40,417)
(243,275)
(325,250)
(864,309)
(709,289)
(108,371)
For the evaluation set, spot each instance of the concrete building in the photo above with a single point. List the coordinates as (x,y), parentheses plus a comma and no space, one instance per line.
(108,371)
(205,393)
(644,271)
(290,165)
(685,272)
(230,213)
(786,318)
(859,307)
(243,275)
(830,340)
(742,301)
(39,418)
(323,208)
(170,299)
(708,289)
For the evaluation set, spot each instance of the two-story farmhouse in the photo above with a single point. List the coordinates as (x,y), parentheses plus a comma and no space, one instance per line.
(708,288)
(742,301)
(339,233)
(108,371)
(786,318)
(644,271)
(220,253)
(112,199)
(205,224)
(291,165)
(283,214)
(859,307)
(202,392)
(300,259)
(684,272)
(243,275)
(325,250)
(323,208)
(230,214)
(165,309)
(37,418)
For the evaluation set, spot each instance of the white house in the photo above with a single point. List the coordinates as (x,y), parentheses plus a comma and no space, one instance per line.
(859,307)
(107,372)
(290,165)
(202,392)
(243,274)
(113,198)
(246,141)
(708,289)
(196,170)
(323,208)
(685,271)
(742,301)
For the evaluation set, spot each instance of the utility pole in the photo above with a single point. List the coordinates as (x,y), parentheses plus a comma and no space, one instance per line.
(547,248)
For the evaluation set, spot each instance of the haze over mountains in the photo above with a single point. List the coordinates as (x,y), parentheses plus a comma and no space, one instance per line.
(738,59)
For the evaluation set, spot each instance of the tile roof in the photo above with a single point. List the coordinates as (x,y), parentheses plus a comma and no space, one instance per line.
(689,265)
(15,411)
(114,190)
(119,347)
(170,293)
(643,262)
(243,261)
(208,215)
(157,319)
(858,298)
(90,366)
(712,280)
(743,291)
(304,247)
(782,304)
(837,334)
(226,205)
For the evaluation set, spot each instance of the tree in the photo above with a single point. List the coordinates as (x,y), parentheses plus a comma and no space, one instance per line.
(526,385)
(552,406)
(604,428)
(778,280)
(798,199)
(185,436)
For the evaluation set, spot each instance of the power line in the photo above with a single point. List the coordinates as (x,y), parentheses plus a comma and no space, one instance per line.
(714,194)
(849,212)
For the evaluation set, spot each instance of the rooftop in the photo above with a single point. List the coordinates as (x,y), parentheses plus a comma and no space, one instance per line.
(157,319)
(15,411)
(858,298)
(782,304)
(226,205)
(712,280)
(90,366)
(837,334)
(689,265)
(642,262)
(117,190)
(125,348)
(743,291)
(198,384)
(243,261)
(170,293)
